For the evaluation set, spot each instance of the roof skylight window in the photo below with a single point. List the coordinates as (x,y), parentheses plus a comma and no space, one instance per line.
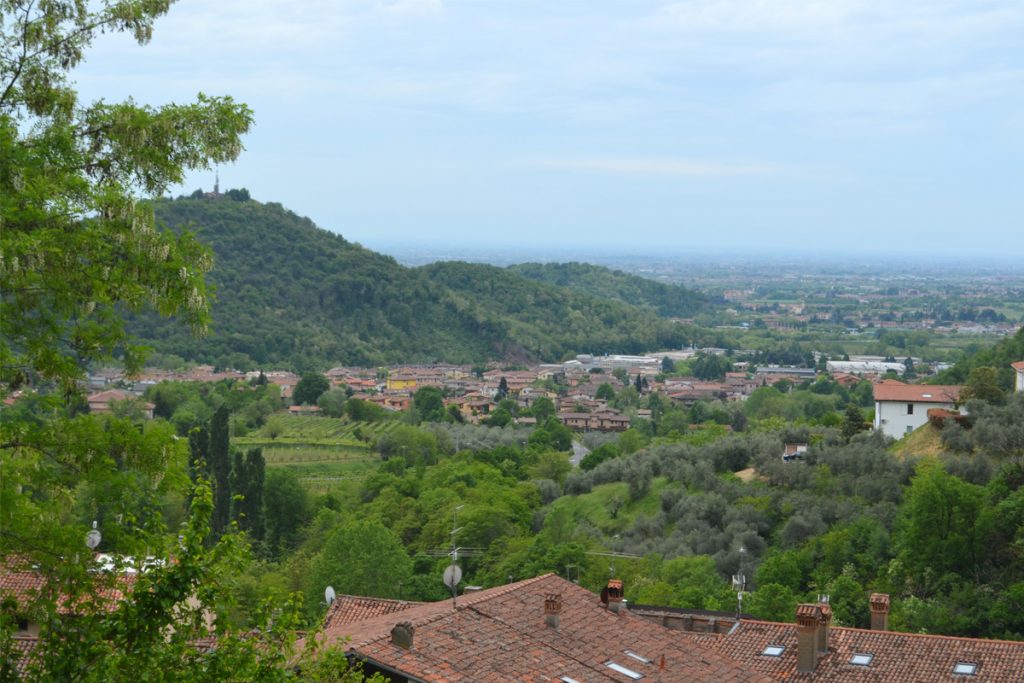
(635,675)
(774,650)
(637,657)
(965,668)
(566,679)
(861,659)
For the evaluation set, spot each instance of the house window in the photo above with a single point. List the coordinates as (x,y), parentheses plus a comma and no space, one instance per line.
(773,651)
(910,409)
(861,659)
(965,668)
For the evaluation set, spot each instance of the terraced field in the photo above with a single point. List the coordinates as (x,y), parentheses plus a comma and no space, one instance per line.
(323,452)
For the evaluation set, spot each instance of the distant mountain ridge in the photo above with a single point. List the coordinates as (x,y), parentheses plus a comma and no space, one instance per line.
(289,293)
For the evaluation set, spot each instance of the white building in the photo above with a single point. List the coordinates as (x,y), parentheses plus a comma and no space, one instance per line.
(901,408)
(1018,367)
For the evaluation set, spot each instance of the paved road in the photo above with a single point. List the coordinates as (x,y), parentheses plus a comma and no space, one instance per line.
(578,452)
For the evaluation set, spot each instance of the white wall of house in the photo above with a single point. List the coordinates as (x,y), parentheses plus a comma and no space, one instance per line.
(899,418)
(1019,386)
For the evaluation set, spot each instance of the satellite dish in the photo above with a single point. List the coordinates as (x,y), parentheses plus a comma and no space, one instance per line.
(452,576)
(329,594)
(93,537)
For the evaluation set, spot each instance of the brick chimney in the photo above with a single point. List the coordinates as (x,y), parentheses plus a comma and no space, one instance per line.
(879,611)
(552,609)
(808,622)
(613,593)
(402,634)
(823,623)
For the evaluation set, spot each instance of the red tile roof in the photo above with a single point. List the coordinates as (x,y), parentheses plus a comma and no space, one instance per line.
(892,390)
(23,652)
(1019,365)
(897,657)
(500,634)
(347,609)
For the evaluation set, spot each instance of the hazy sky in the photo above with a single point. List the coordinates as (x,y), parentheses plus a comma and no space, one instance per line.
(888,125)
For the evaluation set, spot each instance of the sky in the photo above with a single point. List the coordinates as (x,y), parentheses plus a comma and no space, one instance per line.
(823,126)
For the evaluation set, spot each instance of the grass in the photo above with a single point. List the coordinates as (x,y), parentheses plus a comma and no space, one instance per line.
(926,440)
(325,453)
(596,507)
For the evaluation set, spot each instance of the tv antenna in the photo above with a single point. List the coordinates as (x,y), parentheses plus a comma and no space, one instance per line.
(452,573)
(739,583)
(93,537)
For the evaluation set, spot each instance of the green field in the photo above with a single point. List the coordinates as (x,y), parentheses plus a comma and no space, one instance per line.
(324,452)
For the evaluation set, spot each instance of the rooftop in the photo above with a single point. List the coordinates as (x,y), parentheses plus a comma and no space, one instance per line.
(500,634)
(892,390)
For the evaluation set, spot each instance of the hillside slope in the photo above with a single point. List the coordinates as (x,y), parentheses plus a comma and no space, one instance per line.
(289,293)
(667,300)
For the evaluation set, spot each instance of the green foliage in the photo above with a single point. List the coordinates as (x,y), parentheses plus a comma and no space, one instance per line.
(219,463)
(943,526)
(667,300)
(1006,351)
(982,384)
(605,392)
(77,248)
(353,306)
(310,387)
(428,403)
(287,509)
(360,558)
(332,402)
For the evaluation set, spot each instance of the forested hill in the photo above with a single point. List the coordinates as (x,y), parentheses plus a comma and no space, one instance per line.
(291,294)
(667,300)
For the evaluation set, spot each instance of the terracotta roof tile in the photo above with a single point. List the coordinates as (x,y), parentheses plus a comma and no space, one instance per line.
(347,609)
(898,657)
(500,634)
(892,390)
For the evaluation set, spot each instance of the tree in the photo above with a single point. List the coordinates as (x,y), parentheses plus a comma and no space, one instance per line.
(429,404)
(361,558)
(220,469)
(942,527)
(502,388)
(332,402)
(78,252)
(287,508)
(542,408)
(983,384)
(668,366)
(309,389)
(853,421)
(78,248)
(605,392)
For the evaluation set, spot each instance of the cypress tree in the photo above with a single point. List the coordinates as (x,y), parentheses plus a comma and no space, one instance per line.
(199,453)
(255,470)
(238,485)
(220,468)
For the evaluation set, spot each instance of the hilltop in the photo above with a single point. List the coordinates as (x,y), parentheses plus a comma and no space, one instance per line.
(666,299)
(291,293)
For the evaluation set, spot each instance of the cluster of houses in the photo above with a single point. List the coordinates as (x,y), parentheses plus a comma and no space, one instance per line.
(572,387)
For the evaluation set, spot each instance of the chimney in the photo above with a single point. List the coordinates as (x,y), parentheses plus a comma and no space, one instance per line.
(402,633)
(808,621)
(879,611)
(613,595)
(823,623)
(552,609)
